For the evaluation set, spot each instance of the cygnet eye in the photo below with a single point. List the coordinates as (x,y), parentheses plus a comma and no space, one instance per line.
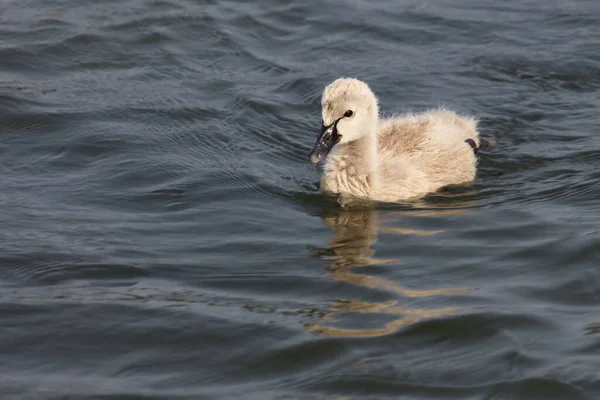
(348,113)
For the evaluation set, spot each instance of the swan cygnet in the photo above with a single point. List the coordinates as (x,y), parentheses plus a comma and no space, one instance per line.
(395,159)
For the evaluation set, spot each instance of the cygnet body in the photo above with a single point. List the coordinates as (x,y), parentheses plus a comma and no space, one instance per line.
(395,159)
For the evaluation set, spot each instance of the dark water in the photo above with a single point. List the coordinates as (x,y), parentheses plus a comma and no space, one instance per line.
(163,237)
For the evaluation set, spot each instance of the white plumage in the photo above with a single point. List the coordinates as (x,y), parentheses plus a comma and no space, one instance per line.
(394,159)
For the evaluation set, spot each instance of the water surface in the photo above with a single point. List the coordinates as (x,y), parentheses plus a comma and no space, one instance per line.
(163,235)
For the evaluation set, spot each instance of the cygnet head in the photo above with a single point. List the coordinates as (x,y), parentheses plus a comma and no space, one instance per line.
(350,112)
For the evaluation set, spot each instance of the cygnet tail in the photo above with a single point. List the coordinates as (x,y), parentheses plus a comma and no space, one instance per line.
(484,145)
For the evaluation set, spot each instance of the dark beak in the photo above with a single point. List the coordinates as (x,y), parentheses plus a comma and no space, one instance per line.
(328,138)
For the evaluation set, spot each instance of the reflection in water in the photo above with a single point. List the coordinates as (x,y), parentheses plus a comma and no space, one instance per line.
(355,230)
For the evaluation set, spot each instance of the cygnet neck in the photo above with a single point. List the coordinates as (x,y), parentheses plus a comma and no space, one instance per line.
(364,152)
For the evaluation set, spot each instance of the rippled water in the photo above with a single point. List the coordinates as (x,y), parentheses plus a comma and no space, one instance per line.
(163,235)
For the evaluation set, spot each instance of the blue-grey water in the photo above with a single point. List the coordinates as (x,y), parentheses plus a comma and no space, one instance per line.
(162,235)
